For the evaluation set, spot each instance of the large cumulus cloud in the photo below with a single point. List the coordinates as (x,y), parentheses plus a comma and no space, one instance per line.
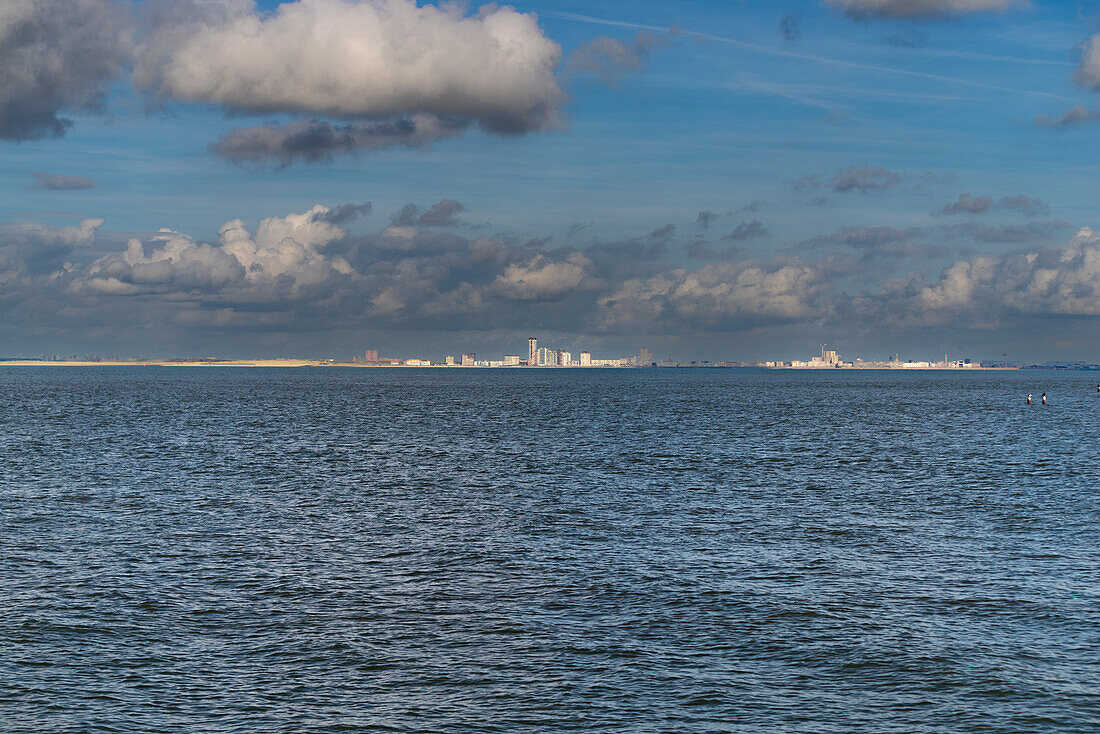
(396,72)
(995,291)
(281,261)
(720,296)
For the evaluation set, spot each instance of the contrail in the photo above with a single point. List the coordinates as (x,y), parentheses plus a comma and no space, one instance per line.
(804,56)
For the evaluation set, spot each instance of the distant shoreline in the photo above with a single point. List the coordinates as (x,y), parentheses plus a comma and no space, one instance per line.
(327,363)
(172,363)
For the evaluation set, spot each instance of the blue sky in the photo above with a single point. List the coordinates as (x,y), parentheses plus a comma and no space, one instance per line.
(724,111)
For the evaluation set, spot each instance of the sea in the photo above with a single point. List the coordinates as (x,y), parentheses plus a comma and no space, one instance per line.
(447,550)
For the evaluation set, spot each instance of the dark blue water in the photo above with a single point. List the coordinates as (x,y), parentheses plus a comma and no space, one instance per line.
(220,550)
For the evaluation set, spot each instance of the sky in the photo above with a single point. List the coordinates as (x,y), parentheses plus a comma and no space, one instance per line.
(714,180)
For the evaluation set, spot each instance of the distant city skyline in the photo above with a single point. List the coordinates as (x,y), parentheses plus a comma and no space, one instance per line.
(543,356)
(713,179)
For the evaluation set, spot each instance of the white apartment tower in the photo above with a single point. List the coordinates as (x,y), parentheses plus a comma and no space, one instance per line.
(532,352)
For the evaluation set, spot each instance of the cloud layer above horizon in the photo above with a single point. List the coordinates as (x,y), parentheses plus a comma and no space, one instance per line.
(306,271)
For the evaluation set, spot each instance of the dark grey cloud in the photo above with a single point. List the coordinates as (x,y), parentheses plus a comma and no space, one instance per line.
(57,57)
(663,234)
(576,228)
(62,182)
(637,257)
(876,247)
(918,9)
(864,179)
(807,183)
(747,231)
(1013,234)
(1073,116)
(937,177)
(1028,205)
(344,213)
(868,237)
(313,141)
(790,26)
(701,250)
(611,58)
(968,204)
(440,214)
(909,39)
(706,218)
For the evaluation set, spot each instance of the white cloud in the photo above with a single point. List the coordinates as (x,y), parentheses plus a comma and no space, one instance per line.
(1052,281)
(282,258)
(367,59)
(1088,75)
(721,295)
(542,279)
(1063,280)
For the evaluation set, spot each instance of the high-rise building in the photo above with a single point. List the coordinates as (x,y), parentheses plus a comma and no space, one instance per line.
(511,360)
(449,360)
(371,355)
(586,359)
(563,358)
(545,357)
(469,359)
(532,352)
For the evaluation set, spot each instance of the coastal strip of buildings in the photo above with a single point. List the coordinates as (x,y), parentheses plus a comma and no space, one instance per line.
(547,357)
(536,357)
(830,359)
(541,356)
